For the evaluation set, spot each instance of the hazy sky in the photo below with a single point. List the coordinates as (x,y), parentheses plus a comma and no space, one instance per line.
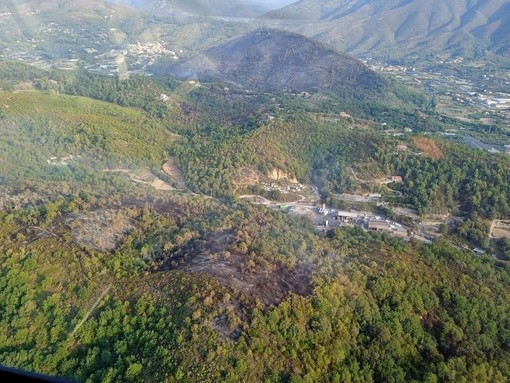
(278,2)
(274,3)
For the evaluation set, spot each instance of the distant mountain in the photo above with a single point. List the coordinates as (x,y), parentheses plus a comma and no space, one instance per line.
(96,32)
(79,10)
(222,8)
(398,28)
(48,21)
(277,60)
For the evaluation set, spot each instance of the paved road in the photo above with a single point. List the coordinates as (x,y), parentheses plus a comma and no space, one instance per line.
(265,201)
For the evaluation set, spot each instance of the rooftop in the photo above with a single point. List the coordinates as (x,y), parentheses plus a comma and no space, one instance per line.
(379,225)
(347,214)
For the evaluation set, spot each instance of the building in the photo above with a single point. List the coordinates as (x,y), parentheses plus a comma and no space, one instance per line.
(381,226)
(347,217)
(322,210)
(397,179)
(402,148)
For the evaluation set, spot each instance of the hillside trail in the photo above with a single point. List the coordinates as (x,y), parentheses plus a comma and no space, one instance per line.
(378,181)
(157,183)
(91,310)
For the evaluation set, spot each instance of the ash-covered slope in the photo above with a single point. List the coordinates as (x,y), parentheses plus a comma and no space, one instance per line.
(276,60)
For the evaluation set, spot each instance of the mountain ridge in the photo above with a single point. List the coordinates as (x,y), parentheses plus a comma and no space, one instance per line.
(223,8)
(401,28)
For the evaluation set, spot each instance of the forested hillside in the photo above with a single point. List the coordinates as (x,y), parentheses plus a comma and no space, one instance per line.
(377,308)
(111,275)
(61,126)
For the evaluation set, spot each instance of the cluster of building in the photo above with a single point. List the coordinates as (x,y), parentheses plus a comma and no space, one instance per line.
(292,188)
(140,57)
(106,64)
(496,102)
(383,67)
(364,220)
(62,161)
(150,49)
(395,132)
(54,28)
(370,223)
(458,60)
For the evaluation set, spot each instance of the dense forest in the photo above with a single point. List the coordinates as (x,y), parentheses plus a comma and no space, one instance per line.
(377,309)
(104,279)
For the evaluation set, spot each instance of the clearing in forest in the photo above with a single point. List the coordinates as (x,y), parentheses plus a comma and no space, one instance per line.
(246,177)
(144,177)
(429,147)
(170,169)
(500,229)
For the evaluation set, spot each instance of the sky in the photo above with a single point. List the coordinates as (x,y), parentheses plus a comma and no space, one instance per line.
(274,3)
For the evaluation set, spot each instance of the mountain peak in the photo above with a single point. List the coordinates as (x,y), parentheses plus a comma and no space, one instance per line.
(272,59)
